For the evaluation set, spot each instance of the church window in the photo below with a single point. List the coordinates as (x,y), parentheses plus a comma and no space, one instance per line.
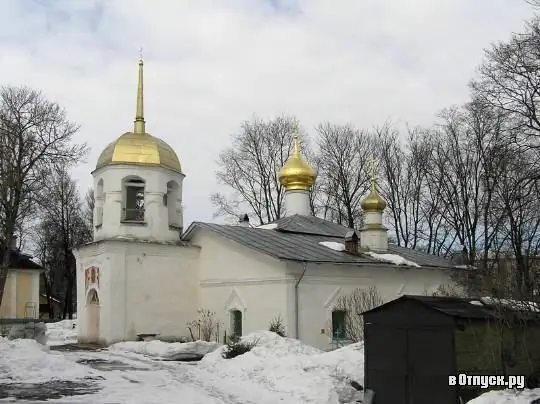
(171,201)
(133,200)
(236,323)
(338,324)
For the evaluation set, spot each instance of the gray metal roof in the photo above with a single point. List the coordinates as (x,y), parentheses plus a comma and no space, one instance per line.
(297,238)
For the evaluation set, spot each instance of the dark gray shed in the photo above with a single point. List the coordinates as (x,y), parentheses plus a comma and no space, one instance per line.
(414,343)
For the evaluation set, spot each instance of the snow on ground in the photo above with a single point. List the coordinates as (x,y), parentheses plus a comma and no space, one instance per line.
(165,350)
(62,332)
(287,366)
(393,258)
(276,370)
(508,397)
(27,361)
(333,245)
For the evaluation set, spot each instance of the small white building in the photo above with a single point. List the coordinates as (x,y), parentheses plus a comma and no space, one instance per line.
(143,275)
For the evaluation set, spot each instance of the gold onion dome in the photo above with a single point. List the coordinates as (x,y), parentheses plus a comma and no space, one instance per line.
(374,202)
(139,147)
(296,173)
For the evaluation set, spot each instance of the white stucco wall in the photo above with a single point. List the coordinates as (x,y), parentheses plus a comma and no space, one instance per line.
(156,213)
(235,277)
(143,288)
(321,286)
(296,202)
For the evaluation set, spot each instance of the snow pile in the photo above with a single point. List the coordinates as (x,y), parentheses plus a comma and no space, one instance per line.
(166,350)
(62,332)
(333,245)
(285,365)
(27,361)
(269,226)
(393,258)
(508,397)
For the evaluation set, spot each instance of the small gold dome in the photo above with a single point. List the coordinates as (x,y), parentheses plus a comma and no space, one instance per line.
(296,173)
(137,149)
(374,202)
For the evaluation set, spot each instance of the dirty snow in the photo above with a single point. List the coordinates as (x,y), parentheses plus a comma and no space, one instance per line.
(62,332)
(165,350)
(393,258)
(268,226)
(333,245)
(508,397)
(278,369)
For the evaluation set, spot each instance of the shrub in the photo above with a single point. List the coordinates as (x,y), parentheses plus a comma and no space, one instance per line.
(235,347)
(277,326)
(206,327)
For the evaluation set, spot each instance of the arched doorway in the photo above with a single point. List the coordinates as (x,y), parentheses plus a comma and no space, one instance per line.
(92,316)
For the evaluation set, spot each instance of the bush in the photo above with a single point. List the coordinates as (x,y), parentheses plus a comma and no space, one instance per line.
(206,327)
(277,326)
(235,347)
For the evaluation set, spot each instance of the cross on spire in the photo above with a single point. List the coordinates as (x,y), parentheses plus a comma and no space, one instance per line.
(140,54)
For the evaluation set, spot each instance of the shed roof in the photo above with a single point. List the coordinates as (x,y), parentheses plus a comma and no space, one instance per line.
(465,308)
(19,260)
(297,238)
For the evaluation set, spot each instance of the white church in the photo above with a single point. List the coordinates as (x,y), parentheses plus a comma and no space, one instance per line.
(143,274)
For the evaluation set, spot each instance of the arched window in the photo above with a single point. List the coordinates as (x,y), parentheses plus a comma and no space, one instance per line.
(172,203)
(99,198)
(236,323)
(133,200)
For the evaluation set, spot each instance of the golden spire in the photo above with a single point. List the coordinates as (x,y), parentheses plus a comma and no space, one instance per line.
(374,201)
(296,173)
(139,127)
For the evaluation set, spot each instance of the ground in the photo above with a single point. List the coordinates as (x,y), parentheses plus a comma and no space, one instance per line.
(276,370)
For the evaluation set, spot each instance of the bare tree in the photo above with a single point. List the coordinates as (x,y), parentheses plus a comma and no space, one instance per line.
(249,169)
(343,179)
(34,133)
(509,81)
(354,304)
(63,221)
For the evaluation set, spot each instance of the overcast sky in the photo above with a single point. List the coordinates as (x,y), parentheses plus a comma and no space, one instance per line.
(211,64)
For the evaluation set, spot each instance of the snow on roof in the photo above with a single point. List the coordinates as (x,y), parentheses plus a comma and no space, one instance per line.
(393,258)
(268,226)
(333,245)
(513,304)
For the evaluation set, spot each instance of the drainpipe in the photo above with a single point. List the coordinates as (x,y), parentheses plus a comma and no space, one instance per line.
(296,303)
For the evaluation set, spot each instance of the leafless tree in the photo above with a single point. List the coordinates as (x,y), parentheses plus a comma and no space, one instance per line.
(249,169)
(509,81)
(34,133)
(354,304)
(63,223)
(343,152)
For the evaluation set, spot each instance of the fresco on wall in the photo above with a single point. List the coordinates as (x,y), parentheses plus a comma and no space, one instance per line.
(91,277)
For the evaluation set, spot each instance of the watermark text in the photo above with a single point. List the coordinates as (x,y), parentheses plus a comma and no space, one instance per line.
(484,382)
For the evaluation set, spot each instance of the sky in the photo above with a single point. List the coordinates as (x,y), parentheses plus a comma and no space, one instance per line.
(211,64)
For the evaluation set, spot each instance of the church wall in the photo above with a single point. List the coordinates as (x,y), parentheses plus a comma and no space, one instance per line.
(93,256)
(163,289)
(143,288)
(322,285)
(156,215)
(234,277)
